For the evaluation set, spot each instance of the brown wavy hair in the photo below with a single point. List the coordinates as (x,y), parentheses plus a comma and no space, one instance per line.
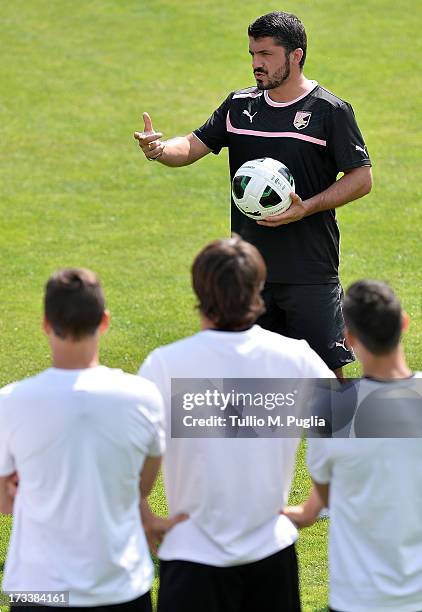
(227,277)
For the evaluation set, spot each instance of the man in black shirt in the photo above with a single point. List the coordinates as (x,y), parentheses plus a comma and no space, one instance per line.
(314,133)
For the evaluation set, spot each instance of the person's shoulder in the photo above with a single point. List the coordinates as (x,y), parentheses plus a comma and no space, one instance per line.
(136,392)
(176,349)
(8,390)
(7,396)
(131,384)
(278,340)
(247,92)
(19,395)
(293,351)
(22,387)
(328,98)
(281,344)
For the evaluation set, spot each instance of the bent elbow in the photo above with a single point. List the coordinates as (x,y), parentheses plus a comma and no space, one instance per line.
(6,508)
(367,183)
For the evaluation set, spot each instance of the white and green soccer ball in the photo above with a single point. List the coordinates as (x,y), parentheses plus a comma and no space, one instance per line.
(262,187)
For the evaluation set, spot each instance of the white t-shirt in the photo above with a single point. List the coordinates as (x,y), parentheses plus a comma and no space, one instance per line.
(232,489)
(375,543)
(78,439)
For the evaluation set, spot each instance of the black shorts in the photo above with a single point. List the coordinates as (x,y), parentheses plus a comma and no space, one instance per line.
(141,604)
(268,585)
(310,312)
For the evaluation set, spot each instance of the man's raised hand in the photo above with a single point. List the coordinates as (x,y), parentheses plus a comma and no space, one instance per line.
(149,140)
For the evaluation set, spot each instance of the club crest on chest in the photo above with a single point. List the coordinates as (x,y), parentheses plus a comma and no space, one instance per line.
(302,119)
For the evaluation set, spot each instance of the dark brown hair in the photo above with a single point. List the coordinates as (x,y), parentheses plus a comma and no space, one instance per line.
(227,277)
(284,28)
(373,314)
(74,303)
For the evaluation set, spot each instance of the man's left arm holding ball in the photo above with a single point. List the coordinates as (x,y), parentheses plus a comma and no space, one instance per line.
(345,146)
(354,184)
(347,151)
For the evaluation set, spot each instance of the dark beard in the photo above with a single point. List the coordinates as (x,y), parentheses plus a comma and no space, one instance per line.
(278,79)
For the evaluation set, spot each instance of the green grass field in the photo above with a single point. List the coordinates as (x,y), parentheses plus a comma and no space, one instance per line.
(75,78)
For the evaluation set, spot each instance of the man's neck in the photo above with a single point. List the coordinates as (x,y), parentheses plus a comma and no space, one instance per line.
(291,89)
(207,324)
(63,362)
(386,367)
(68,355)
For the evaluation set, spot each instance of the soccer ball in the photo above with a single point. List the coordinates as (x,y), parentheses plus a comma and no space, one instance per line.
(262,188)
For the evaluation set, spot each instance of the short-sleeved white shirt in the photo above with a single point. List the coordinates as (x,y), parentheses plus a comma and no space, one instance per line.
(232,489)
(78,439)
(375,542)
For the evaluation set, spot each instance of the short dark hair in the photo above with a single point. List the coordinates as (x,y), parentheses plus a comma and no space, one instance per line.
(286,29)
(74,303)
(374,315)
(227,277)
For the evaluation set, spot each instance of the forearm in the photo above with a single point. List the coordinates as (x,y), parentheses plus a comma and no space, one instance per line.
(306,514)
(6,506)
(351,186)
(313,505)
(177,152)
(6,500)
(149,475)
(145,509)
(322,491)
(155,526)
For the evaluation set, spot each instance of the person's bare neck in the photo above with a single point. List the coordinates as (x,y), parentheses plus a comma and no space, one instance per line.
(386,367)
(205,323)
(291,89)
(75,355)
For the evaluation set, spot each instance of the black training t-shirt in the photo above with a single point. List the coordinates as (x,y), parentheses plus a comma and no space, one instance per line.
(316,137)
